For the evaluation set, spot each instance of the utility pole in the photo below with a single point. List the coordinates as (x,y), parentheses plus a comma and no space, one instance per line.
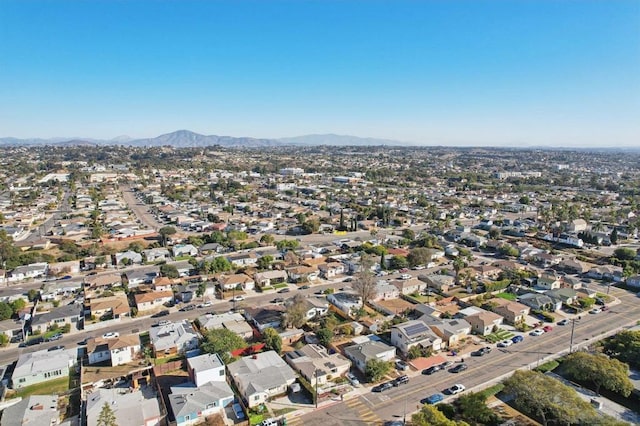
(316,374)
(573,326)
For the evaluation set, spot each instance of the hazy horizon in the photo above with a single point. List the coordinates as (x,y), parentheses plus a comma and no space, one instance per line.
(453,73)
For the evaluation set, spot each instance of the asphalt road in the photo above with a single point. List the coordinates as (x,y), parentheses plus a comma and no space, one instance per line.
(375,408)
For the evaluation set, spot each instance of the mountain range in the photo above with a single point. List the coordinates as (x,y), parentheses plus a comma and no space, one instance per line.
(186,138)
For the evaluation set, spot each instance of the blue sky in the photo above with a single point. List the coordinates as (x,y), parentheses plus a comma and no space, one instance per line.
(504,73)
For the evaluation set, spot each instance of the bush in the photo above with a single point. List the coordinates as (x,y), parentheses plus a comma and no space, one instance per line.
(547,366)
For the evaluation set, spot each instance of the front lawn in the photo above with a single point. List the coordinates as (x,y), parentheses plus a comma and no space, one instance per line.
(507,296)
(49,387)
(498,336)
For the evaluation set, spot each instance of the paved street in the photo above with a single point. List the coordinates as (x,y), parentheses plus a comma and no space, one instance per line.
(370,408)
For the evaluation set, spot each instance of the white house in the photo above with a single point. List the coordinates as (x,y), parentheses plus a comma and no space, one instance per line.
(261,376)
(206,368)
(37,367)
(116,351)
(414,333)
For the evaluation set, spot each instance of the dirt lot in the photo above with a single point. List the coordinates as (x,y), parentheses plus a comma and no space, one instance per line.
(396,305)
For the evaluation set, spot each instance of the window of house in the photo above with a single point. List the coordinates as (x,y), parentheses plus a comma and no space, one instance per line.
(221,372)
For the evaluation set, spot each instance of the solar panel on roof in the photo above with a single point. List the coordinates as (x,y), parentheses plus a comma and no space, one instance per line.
(416,329)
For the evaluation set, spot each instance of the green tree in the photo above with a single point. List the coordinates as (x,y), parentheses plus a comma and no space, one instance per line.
(398,262)
(325,336)
(548,399)
(4,340)
(222,341)
(18,305)
(625,346)
(296,315)
(614,236)
(5,311)
(264,262)
(107,417)
(267,239)
(8,251)
(202,288)
(600,370)
(429,415)
(165,232)
(376,369)
(473,408)
(408,234)
(169,271)
(625,253)
(419,256)
(33,294)
(272,340)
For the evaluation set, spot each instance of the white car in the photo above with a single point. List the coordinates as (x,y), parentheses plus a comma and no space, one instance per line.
(455,389)
(505,343)
(204,305)
(353,379)
(237,299)
(595,311)
(111,335)
(537,332)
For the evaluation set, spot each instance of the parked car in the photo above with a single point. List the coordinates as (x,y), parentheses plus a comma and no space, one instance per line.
(432,369)
(595,311)
(163,323)
(305,287)
(352,379)
(455,389)
(505,343)
(205,305)
(446,364)
(401,365)
(382,387)
(237,298)
(278,300)
(269,422)
(433,399)
(55,348)
(163,313)
(53,338)
(188,308)
(458,368)
(481,351)
(237,410)
(111,335)
(517,339)
(537,332)
(547,328)
(284,290)
(563,322)
(400,380)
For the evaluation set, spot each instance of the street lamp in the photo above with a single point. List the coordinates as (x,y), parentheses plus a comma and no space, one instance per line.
(573,326)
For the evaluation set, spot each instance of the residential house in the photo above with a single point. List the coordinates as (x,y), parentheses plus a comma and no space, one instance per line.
(408,334)
(12,328)
(230,320)
(571,282)
(577,225)
(173,338)
(128,257)
(71,314)
(229,282)
(152,300)
(181,250)
(206,368)
(385,291)
(302,273)
(131,407)
(634,281)
(549,280)
(451,331)
(192,405)
(346,303)
(331,270)
(183,267)
(607,272)
(366,350)
(55,290)
(210,248)
(512,312)
(98,283)
(565,296)
(243,260)
(115,351)
(42,366)
(314,363)
(158,254)
(139,276)
(116,306)
(316,307)
(441,283)
(33,410)
(484,323)
(33,270)
(64,268)
(269,316)
(162,284)
(540,302)
(261,376)
(269,278)
(410,286)
(487,271)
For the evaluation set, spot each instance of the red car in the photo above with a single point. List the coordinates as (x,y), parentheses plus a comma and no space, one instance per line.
(547,328)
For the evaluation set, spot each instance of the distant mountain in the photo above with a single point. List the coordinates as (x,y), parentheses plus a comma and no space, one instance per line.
(186,138)
(340,140)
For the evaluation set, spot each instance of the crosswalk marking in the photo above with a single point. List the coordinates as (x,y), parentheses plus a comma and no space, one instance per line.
(363,411)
